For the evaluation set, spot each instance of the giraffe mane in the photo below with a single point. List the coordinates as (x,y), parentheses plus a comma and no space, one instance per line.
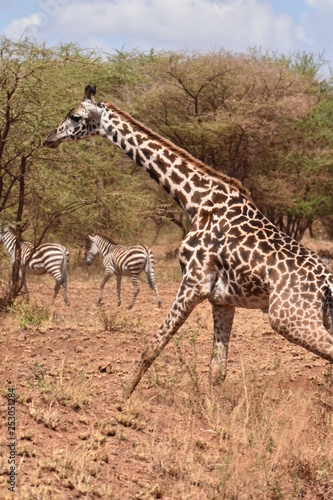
(182,153)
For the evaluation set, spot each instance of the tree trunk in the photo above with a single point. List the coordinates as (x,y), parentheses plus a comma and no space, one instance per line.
(17,280)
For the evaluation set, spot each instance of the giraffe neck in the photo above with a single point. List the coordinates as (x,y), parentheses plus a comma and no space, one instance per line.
(186,179)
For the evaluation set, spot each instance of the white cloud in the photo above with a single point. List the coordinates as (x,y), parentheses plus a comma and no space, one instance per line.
(26,26)
(203,24)
(319,3)
(234,24)
(317,26)
(301,36)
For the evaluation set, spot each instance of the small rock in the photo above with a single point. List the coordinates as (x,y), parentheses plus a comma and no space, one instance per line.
(105,367)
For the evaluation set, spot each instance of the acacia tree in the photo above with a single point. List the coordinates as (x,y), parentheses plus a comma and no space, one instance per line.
(26,73)
(242,114)
(21,67)
(265,120)
(71,191)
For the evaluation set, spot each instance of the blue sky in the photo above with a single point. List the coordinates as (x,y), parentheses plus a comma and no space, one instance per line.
(285,26)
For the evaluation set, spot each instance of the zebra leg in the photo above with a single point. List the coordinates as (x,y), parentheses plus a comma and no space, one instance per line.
(223,318)
(65,291)
(136,289)
(158,297)
(56,290)
(104,280)
(24,286)
(62,282)
(119,288)
(188,297)
(24,283)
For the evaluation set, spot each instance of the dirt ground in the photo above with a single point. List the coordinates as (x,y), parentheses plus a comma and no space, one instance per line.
(176,437)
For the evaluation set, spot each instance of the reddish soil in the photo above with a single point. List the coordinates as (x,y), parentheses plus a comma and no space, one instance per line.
(176,437)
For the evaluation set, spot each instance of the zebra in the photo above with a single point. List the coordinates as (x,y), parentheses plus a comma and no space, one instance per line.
(122,261)
(49,258)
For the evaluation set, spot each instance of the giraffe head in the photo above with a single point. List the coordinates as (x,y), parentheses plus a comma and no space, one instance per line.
(81,122)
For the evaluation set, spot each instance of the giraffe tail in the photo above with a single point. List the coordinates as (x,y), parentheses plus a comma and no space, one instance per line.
(328,304)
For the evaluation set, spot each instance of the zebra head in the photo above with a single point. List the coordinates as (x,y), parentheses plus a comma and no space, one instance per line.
(83,121)
(92,249)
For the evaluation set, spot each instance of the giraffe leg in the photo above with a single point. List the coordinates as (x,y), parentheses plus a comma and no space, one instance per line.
(136,289)
(187,298)
(307,331)
(223,318)
(101,288)
(119,288)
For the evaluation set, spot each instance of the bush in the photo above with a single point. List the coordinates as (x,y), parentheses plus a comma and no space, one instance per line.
(30,314)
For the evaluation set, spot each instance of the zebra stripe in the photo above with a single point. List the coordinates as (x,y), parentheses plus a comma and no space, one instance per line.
(120,260)
(48,258)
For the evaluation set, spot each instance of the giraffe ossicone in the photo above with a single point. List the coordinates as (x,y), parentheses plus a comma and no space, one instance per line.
(233,256)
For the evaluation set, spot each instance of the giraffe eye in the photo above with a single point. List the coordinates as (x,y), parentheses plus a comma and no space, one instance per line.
(76,118)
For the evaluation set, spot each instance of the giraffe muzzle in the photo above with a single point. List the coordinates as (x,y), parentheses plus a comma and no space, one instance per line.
(50,144)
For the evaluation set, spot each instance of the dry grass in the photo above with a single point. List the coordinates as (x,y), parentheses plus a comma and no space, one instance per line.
(265,433)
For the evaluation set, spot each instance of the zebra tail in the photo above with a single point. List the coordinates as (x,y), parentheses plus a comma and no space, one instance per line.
(150,269)
(63,278)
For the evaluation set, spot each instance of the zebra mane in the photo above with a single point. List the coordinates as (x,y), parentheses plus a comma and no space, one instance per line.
(11,229)
(107,238)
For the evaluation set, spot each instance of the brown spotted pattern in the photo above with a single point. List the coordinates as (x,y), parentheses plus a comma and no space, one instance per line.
(232,256)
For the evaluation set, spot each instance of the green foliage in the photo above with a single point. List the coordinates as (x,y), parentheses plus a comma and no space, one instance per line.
(254,117)
(308,64)
(37,374)
(262,118)
(30,314)
(83,185)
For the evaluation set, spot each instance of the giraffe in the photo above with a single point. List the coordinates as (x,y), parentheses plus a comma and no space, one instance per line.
(233,256)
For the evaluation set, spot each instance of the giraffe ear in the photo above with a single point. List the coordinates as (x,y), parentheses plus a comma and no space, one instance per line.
(93,110)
